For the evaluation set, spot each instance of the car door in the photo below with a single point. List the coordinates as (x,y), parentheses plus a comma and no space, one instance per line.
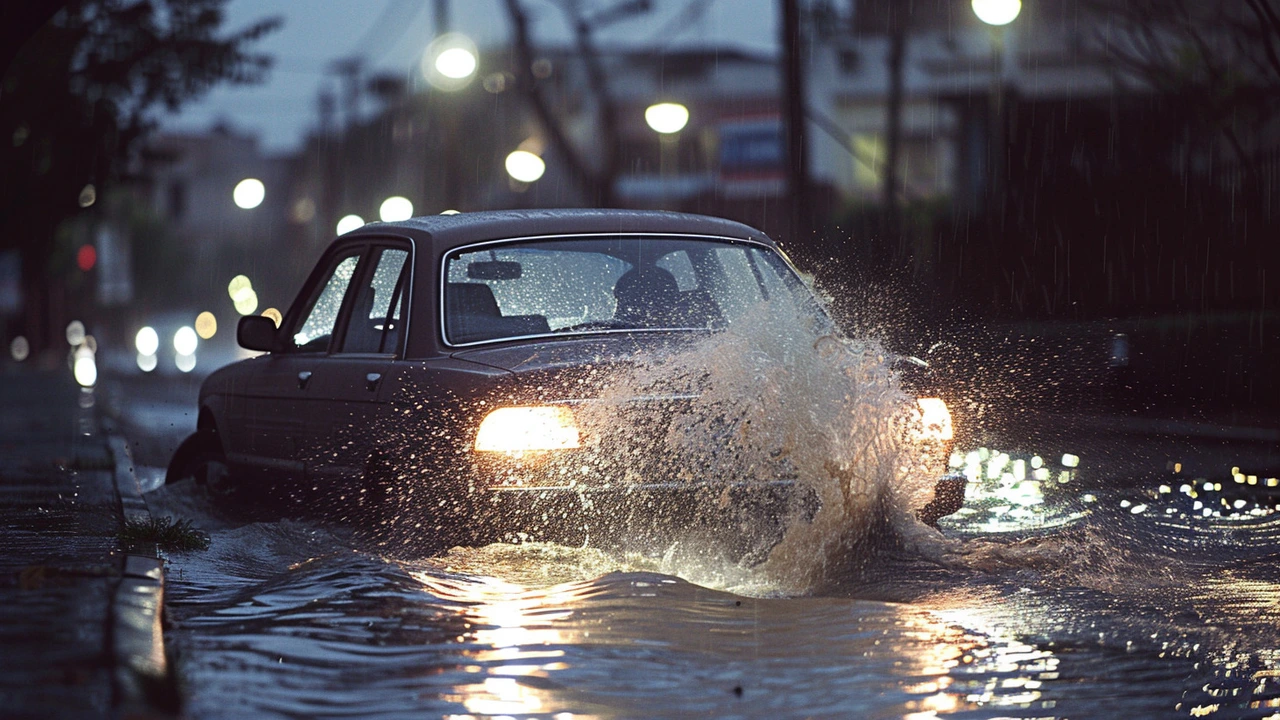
(281,394)
(352,379)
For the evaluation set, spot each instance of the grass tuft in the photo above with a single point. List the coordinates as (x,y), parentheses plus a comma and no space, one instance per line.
(165,532)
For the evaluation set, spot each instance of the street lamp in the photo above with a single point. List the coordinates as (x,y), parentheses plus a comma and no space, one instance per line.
(524,166)
(249,193)
(395,209)
(997,12)
(349,223)
(450,61)
(667,118)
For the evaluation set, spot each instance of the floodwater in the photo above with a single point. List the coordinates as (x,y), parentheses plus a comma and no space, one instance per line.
(1058,591)
(1087,610)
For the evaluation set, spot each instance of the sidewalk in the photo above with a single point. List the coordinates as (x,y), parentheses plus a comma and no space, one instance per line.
(79,618)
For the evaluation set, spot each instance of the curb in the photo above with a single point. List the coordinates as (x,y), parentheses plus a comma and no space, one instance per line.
(143,686)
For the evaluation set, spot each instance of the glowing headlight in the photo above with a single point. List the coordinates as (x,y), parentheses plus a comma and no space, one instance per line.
(935,419)
(522,429)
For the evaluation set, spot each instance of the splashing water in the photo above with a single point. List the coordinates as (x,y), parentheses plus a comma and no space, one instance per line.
(776,397)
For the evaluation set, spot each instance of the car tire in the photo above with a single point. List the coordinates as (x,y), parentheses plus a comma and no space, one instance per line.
(200,457)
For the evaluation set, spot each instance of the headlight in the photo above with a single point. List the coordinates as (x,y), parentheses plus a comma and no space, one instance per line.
(524,429)
(935,419)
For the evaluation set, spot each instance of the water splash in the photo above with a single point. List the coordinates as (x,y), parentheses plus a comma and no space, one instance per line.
(780,397)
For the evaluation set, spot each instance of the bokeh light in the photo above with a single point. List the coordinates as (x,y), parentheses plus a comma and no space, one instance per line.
(86,258)
(185,362)
(147,341)
(19,348)
(185,340)
(667,118)
(395,208)
(246,301)
(85,368)
(997,12)
(450,62)
(456,63)
(237,284)
(88,196)
(524,166)
(75,333)
(274,314)
(242,295)
(249,193)
(206,325)
(148,362)
(349,223)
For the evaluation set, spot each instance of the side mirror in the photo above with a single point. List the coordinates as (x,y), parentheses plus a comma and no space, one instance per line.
(256,332)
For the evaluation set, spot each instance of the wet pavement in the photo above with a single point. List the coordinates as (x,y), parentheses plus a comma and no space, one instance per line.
(59,556)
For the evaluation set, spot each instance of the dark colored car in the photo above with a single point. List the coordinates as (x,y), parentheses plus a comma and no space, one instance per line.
(473,375)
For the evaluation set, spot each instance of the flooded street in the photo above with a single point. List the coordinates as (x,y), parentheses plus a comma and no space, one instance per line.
(1087,594)
(1089,574)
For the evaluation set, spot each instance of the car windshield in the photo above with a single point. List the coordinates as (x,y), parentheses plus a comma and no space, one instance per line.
(590,285)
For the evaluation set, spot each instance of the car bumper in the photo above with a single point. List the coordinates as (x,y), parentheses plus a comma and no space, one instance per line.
(644,511)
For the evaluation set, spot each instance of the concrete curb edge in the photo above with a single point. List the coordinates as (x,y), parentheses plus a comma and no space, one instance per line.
(141,669)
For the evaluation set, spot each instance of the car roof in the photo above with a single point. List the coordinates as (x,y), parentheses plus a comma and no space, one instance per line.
(450,231)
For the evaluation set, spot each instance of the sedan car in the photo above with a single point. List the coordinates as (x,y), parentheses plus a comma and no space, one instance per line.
(475,376)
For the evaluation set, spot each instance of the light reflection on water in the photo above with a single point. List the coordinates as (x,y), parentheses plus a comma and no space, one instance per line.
(1084,609)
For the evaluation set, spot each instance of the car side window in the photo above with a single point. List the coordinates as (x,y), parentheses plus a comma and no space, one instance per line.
(317,329)
(374,325)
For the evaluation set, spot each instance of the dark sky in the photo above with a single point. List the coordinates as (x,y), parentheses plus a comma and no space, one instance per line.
(392,35)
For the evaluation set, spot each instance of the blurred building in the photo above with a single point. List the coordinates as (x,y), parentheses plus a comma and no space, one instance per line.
(188,234)
(962,82)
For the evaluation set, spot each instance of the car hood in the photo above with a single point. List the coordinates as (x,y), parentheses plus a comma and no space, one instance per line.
(581,352)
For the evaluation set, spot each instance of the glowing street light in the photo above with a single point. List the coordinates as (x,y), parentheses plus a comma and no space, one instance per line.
(667,118)
(249,193)
(450,61)
(395,208)
(349,223)
(456,63)
(997,12)
(525,166)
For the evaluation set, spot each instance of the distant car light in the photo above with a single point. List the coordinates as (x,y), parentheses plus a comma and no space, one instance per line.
(85,368)
(935,419)
(147,341)
(525,429)
(185,340)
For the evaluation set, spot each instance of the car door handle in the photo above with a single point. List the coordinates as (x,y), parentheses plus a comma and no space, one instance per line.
(304,377)
(371,381)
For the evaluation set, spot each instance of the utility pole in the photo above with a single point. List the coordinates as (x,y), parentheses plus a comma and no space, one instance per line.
(793,89)
(442,17)
(349,70)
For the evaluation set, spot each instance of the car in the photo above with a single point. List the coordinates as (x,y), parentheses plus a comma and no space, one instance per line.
(482,375)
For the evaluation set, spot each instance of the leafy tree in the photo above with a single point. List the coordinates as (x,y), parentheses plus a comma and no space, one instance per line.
(77,100)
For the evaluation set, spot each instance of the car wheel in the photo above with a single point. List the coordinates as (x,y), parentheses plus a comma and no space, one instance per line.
(200,457)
